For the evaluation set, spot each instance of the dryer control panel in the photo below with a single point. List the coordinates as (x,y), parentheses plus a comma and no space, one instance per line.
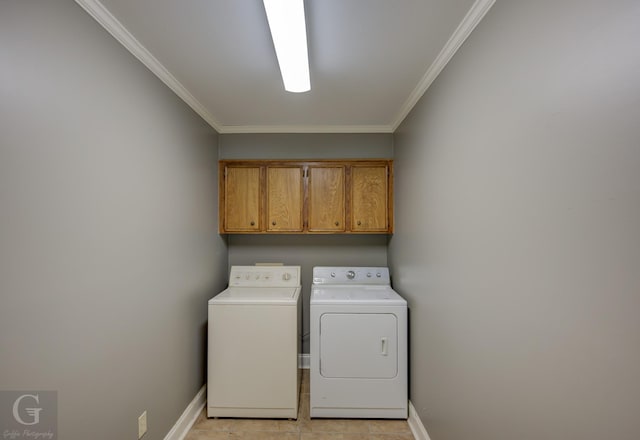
(351,275)
(264,276)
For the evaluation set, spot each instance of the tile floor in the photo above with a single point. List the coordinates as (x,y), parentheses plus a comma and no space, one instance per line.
(304,428)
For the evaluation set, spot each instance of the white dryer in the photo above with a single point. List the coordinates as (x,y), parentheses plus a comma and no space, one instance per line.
(359,359)
(254,338)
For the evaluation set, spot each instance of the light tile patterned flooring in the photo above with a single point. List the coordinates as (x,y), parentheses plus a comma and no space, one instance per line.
(304,428)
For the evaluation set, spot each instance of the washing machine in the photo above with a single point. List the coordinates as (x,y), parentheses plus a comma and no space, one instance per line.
(359,329)
(254,336)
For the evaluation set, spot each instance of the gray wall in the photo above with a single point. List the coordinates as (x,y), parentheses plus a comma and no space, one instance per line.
(307,146)
(517,236)
(108,227)
(307,251)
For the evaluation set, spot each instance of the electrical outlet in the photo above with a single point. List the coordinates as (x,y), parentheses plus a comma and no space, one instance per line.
(142,424)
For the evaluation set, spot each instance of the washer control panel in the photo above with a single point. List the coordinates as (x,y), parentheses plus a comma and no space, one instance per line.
(351,275)
(265,276)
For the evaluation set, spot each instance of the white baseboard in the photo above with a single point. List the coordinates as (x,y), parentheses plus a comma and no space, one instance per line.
(304,361)
(415,424)
(189,416)
(191,413)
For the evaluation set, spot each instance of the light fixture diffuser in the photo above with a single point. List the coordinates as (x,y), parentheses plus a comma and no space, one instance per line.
(289,34)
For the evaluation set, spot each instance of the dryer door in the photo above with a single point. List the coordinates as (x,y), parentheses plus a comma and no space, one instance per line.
(359,345)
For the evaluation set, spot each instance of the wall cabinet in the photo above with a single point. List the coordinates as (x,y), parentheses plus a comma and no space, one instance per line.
(369,198)
(242,195)
(306,197)
(326,189)
(284,198)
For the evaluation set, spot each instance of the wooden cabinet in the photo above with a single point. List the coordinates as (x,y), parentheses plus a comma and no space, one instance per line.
(284,198)
(326,188)
(369,198)
(242,199)
(306,197)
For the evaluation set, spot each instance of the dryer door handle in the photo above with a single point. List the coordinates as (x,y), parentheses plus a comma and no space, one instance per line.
(384,343)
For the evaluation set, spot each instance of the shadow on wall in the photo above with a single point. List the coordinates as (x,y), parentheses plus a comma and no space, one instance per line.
(305,250)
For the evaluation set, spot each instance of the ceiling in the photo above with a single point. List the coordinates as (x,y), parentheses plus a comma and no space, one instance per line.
(370,60)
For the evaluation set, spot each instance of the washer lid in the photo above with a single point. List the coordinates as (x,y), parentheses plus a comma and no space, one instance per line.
(257,295)
(361,295)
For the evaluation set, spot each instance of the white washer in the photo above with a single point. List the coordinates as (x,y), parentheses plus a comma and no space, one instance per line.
(254,340)
(358,344)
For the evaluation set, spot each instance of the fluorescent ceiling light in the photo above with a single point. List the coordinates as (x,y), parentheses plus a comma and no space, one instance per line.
(289,33)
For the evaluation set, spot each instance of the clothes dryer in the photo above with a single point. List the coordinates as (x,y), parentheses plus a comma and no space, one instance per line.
(358,344)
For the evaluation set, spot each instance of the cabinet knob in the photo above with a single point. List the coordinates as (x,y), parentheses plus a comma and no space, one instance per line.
(337,223)
(253,223)
(273,223)
(359,222)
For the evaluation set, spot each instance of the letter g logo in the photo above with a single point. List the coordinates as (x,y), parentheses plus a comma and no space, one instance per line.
(32,412)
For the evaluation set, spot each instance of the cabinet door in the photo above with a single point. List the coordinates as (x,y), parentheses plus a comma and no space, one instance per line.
(284,199)
(326,199)
(369,198)
(242,199)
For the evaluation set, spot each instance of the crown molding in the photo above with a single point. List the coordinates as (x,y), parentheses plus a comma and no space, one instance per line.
(99,13)
(235,129)
(96,10)
(476,13)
